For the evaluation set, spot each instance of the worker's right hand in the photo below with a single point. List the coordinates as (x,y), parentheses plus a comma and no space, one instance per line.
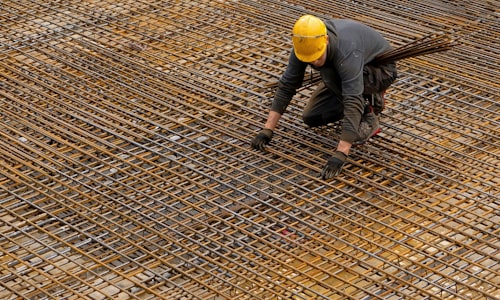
(263,138)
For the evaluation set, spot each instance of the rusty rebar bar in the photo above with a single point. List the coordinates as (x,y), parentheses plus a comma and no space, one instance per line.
(126,171)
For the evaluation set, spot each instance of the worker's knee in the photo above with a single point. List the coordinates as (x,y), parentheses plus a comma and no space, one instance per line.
(313,120)
(316,120)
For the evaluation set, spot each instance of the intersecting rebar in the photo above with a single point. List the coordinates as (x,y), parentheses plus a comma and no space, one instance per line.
(126,171)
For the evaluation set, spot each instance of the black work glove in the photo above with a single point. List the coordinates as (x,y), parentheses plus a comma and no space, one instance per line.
(334,165)
(263,138)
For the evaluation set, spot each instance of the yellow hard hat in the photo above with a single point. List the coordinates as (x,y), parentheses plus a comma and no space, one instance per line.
(309,38)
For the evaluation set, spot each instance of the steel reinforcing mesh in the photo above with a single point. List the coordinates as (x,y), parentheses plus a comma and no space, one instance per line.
(126,169)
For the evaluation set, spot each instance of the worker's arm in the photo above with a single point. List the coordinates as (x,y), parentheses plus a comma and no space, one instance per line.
(351,74)
(272,120)
(287,87)
(344,147)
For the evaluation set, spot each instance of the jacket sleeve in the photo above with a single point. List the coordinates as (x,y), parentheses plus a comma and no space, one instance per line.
(351,72)
(353,110)
(288,84)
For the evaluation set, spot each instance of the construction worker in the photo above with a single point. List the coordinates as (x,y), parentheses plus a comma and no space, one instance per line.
(351,88)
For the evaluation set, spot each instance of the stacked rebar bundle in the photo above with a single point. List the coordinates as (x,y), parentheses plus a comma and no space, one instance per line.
(429,44)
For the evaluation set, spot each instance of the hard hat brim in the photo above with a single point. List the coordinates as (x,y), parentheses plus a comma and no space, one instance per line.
(310,58)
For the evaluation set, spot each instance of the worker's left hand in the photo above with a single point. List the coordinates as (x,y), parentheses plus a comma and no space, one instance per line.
(334,165)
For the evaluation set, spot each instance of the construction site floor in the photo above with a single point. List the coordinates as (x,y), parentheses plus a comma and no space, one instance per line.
(126,170)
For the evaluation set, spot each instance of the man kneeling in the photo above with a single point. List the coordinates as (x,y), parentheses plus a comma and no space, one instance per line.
(352,86)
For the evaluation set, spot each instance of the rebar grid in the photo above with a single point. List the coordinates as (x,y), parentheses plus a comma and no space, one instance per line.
(126,171)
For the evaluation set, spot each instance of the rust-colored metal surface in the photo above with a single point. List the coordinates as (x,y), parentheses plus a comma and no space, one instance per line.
(126,169)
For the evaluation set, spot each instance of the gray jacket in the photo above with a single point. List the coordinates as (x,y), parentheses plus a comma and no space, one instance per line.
(351,46)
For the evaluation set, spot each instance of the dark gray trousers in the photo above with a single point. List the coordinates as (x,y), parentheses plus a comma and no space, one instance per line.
(325,105)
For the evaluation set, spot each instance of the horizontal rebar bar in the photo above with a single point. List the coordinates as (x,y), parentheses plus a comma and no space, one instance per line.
(126,170)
